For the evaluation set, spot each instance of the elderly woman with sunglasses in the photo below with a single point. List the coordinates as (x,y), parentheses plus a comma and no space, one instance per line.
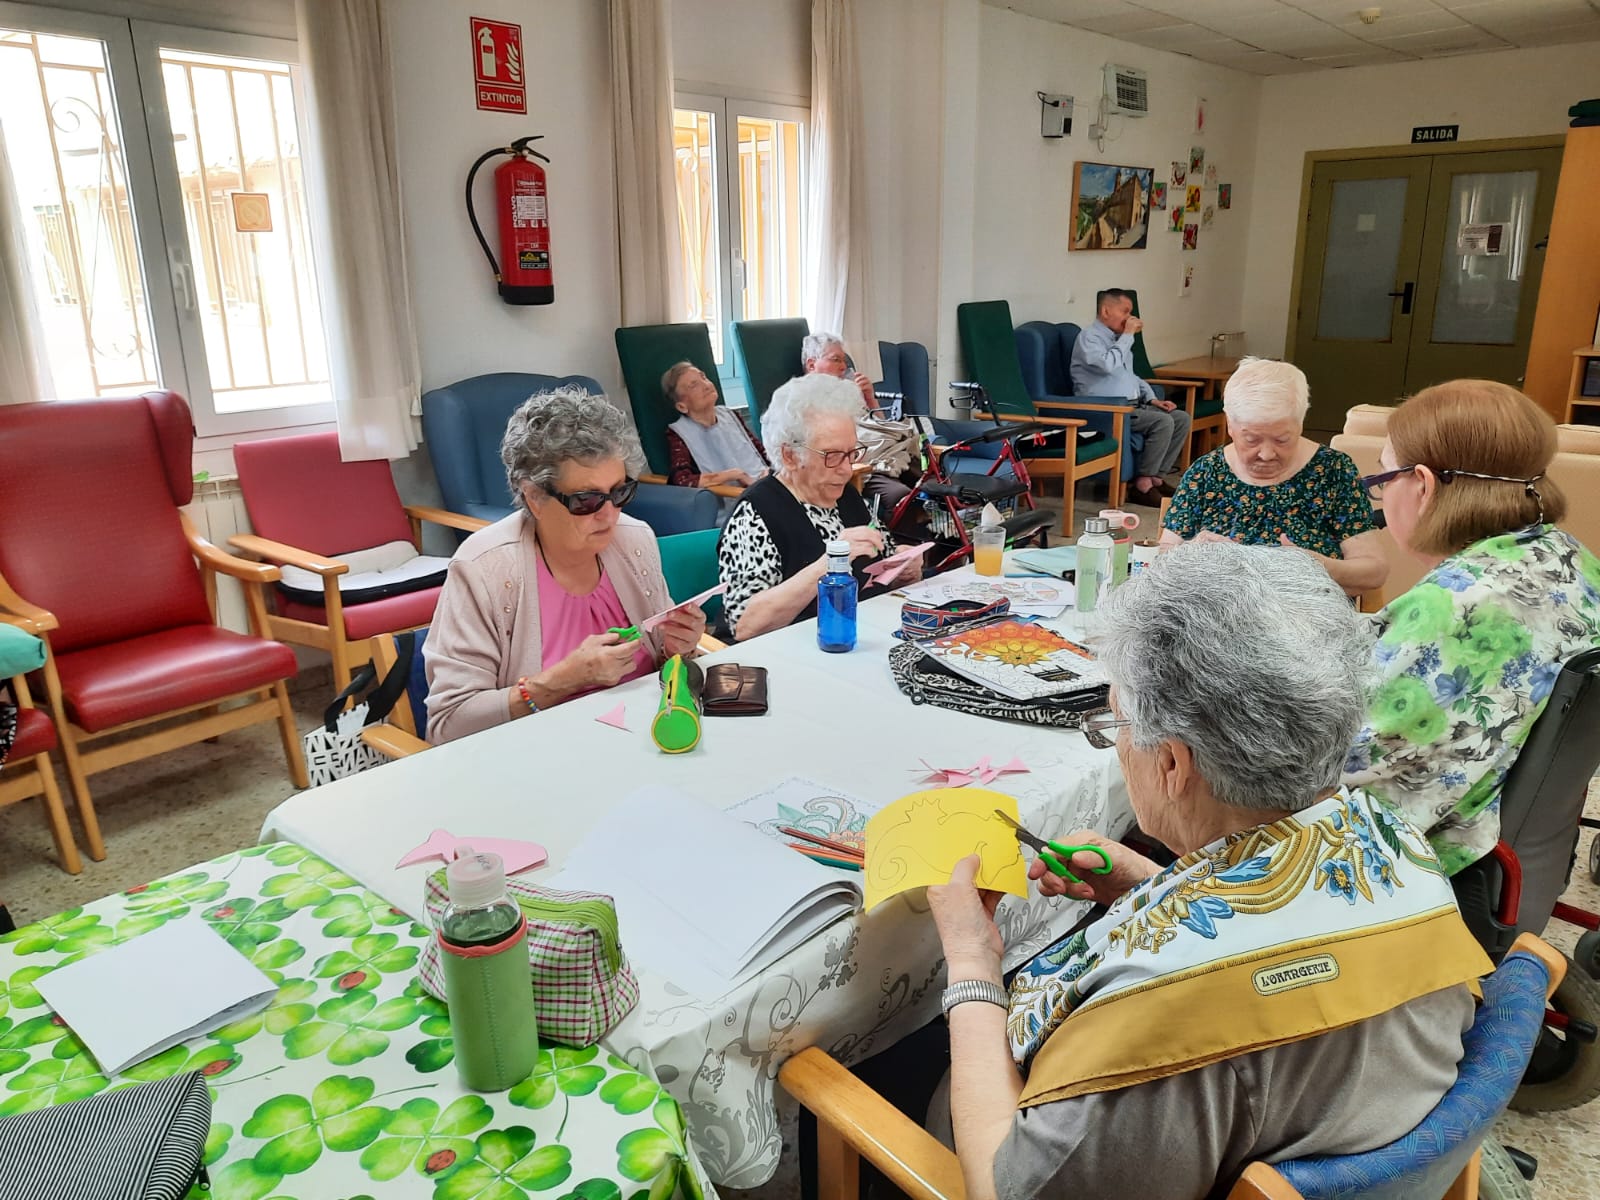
(772,552)
(529,612)
(1470,654)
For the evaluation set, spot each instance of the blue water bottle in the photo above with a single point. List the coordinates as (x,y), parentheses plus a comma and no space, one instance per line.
(836,601)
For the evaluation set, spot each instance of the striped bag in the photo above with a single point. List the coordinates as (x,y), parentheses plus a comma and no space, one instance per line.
(582,984)
(139,1143)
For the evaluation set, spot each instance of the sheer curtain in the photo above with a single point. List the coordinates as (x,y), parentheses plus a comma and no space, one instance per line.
(839,282)
(648,245)
(20,379)
(354,190)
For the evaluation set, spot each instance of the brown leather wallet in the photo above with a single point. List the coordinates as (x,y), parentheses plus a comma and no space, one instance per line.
(734,691)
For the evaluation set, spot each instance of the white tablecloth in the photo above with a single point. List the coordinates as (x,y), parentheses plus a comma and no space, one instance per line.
(840,720)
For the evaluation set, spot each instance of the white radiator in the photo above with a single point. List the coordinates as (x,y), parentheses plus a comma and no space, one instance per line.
(218,512)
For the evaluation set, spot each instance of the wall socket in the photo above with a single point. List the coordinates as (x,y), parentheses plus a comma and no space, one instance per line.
(1055,115)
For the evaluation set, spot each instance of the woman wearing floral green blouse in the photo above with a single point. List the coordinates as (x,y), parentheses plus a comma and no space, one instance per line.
(1272,485)
(1467,658)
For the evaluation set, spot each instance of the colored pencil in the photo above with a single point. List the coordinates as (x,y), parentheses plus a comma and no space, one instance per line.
(828,859)
(842,848)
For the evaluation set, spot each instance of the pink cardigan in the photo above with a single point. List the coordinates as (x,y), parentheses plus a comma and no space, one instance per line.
(485,632)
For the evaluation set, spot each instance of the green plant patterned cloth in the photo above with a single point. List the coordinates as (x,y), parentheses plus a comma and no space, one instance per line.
(1467,659)
(1319,506)
(343,1085)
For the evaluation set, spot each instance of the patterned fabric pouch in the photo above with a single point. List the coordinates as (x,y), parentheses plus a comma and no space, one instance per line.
(139,1143)
(582,984)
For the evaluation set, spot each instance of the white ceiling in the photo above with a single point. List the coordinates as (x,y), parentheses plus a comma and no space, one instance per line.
(1274,37)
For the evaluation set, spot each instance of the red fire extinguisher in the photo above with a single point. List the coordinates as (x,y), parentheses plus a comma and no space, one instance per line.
(519,197)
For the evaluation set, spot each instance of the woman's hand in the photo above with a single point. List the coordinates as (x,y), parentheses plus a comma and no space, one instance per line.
(601,660)
(964,915)
(681,630)
(731,475)
(1128,870)
(1205,535)
(865,541)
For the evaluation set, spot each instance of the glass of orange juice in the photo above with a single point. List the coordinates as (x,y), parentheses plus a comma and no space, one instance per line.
(988,546)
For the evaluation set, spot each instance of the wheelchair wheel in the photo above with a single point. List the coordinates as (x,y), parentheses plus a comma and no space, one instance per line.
(1498,1177)
(1594,858)
(1587,953)
(1565,1071)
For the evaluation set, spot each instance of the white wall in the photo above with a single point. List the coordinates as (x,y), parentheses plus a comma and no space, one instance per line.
(1517,93)
(1024,181)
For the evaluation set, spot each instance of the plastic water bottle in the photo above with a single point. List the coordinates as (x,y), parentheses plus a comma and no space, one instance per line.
(1096,551)
(1122,526)
(483,943)
(836,601)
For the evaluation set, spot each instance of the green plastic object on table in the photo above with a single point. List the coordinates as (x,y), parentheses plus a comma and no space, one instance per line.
(676,728)
(1056,855)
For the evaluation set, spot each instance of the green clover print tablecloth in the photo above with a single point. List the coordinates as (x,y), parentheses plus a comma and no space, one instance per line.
(343,1086)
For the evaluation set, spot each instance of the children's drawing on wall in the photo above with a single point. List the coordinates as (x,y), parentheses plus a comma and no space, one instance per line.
(1180,172)
(1209,215)
(1158,196)
(1224,195)
(1200,114)
(1110,206)
(1211,174)
(1197,160)
(1193,202)
(1191,235)
(1176,223)
(1186,286)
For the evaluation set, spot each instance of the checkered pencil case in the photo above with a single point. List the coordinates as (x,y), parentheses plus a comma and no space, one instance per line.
(582,985)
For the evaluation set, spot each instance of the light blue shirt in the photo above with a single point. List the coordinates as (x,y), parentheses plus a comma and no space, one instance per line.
(1102,365)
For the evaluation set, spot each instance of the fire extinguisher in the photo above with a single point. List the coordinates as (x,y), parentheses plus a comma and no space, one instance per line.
(519,197)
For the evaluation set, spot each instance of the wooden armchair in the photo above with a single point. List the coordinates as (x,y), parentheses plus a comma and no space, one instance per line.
(97,553)
(28,771)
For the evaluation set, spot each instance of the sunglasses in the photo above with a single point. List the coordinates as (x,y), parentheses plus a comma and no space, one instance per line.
(584,504)
(1373,485)
(835,458)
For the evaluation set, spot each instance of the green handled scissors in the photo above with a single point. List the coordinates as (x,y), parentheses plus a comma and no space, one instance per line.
(628,633)
(1055,855)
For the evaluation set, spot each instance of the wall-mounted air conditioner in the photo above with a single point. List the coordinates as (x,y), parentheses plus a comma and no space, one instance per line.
(1127,91)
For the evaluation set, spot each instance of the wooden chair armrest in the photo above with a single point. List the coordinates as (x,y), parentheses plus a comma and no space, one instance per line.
(391,742)
(1083,407)
(710,644)
(1057,422)
(652,477)
(1554,961)
(28,617)
(731,490)
(1262,1181)
(443,516)
(211,555)
(277,552)
(908,1154)
(1174,381)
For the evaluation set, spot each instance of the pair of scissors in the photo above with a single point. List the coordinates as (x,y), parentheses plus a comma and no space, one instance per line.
(1055,855)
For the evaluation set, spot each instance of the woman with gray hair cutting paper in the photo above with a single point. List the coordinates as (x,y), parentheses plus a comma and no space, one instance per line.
(1229,1007)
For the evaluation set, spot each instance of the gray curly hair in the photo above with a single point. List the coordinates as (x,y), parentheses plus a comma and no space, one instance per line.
(565,424)
(1249,655)
(816,345)
(788,418)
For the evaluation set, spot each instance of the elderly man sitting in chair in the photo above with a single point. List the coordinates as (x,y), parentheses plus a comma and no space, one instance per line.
(824,354)
(1102,365)
(1296,983)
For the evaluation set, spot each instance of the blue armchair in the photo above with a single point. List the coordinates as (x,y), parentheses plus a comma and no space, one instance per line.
(1044,350)
(905,370)
(464,423)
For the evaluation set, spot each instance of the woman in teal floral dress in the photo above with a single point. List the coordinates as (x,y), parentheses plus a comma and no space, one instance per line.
(1272,485)
(1467,658)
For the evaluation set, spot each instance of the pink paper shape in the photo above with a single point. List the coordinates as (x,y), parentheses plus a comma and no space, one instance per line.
(616,718)
(887,570)
(982,772)
(518,856)
(649,623)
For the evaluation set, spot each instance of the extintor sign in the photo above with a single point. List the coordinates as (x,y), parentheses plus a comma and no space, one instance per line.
(497,66)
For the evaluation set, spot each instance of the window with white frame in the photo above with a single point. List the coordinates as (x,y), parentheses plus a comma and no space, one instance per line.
(741,174)
(160,177)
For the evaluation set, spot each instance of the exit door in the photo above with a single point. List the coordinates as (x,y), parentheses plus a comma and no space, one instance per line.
(1417,270)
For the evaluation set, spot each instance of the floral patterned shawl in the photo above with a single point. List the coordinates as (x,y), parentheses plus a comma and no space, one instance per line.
(1269,936)
(1468,658)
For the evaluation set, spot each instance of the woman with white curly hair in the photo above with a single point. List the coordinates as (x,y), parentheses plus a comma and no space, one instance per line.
(772,552)
(525,618)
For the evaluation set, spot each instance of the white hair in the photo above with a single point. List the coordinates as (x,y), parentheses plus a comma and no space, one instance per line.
(1264,390)
(816,345)
(797,403)
(1252,657)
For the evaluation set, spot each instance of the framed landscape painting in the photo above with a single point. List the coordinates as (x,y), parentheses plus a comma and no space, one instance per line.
(1110,206)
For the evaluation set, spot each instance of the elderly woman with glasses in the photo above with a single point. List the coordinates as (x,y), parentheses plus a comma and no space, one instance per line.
(1469,655)
(1237,1004)
(772,552)
(530,611)
(1271,485)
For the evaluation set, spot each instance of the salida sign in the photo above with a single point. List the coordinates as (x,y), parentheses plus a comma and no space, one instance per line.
(497,66)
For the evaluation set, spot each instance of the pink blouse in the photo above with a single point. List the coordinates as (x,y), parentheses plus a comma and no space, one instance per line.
(565,620)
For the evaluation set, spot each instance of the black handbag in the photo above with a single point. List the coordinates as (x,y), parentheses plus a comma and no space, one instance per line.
(140,1143)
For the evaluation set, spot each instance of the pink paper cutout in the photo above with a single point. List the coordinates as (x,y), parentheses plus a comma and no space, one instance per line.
(518,856)
(649,623)
(616,718)
(887,570)
(983,772)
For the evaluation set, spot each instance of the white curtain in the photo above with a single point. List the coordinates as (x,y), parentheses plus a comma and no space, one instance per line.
(357,229)
(649,249)
(19,363)
(839,296)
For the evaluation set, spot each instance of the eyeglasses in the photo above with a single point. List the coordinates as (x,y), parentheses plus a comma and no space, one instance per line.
(584,504)
(1096,725)
(1373,485)
(834,458)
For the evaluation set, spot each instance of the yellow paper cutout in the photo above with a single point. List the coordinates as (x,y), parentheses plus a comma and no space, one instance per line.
(917,841)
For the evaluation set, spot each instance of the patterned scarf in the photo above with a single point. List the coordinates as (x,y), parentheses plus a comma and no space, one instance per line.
(8,729)
(1292,929)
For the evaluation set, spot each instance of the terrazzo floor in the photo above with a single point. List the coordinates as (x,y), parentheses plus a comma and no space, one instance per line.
(193,804)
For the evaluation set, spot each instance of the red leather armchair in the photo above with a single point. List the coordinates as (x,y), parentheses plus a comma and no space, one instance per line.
(308,506)
(27,771)
(94,548)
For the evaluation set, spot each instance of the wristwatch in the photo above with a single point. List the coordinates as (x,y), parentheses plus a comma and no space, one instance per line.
(975,989)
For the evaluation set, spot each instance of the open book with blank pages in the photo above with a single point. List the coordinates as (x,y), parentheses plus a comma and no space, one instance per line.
(703,898)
